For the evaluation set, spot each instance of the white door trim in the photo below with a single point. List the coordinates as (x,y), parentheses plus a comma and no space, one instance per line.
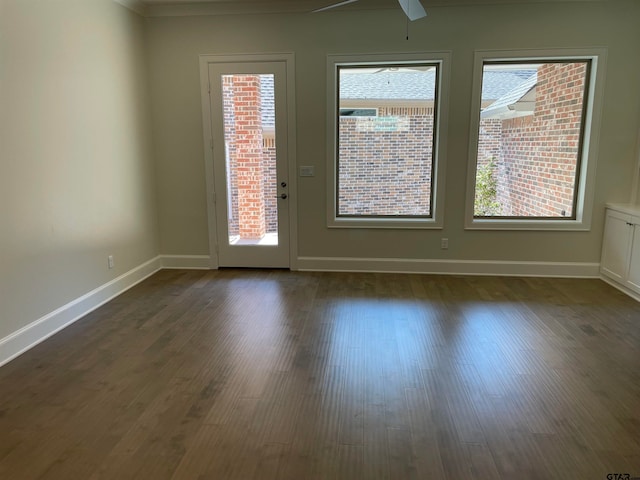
(207,129)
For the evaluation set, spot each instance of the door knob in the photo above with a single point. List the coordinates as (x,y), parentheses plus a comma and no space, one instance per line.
(282,196)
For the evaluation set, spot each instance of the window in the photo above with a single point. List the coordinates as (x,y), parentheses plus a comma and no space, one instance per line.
(531,143)
(384,118)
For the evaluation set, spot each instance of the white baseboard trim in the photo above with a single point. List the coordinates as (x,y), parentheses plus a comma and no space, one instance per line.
(187,262)
(32,334)
(451,267)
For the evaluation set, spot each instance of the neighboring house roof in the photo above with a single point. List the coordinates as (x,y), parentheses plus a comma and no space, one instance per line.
(497,83)
(418,85)
(386,85)
(518,102)
(505,87)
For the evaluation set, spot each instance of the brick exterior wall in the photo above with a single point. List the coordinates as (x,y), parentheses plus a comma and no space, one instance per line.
(248,156)
(230,145)
(270,184)
(539,154)
(251,159)
(385,163)
(489,140)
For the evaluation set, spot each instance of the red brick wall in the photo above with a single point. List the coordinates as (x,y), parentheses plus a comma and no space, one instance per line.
(385,163)
(230,135)
(538,158)
(248,150)
(378,169)
(270,184)
(489,141)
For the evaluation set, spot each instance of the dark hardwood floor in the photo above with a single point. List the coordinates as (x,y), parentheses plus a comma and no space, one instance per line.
(242,374)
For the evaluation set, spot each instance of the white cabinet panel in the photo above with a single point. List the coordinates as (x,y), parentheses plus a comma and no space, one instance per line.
(633,276)
(621,246)
(615,246)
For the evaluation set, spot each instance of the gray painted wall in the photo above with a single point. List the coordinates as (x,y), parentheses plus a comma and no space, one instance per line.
(76,175)
(175,44)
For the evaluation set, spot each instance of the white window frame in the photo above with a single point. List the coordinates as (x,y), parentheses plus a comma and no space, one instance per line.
(586,177)
(442,59)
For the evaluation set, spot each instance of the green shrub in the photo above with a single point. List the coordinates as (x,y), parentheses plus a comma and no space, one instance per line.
(486,204)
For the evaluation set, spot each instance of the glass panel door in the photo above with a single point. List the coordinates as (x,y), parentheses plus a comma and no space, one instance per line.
(250,163)
(250,159)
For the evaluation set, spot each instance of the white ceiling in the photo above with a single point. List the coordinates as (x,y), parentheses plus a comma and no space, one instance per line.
(426,3)
(222,7)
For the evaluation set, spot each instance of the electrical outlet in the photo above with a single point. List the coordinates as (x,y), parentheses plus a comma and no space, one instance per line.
(110,261)
(444,243)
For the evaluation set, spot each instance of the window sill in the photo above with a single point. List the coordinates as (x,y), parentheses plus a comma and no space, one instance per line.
(387,223)
(530,225)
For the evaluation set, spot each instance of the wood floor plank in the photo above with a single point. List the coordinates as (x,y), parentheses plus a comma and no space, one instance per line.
(271,374)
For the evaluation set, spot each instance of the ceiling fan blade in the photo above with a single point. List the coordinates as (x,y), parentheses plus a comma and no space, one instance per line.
(413,9)
(329,7)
